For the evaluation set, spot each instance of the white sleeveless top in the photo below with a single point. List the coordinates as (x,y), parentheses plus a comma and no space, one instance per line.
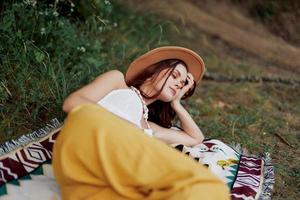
(126,104)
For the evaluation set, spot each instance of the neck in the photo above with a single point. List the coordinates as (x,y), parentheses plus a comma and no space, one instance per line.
(148,90)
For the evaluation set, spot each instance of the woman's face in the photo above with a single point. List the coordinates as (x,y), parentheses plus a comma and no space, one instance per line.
(174,83)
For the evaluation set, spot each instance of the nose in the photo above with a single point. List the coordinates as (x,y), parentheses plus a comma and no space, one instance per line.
(177,84)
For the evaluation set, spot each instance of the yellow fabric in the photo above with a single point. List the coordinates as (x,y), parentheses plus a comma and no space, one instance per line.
(98,155)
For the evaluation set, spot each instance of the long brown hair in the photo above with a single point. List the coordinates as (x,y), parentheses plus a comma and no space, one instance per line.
(160,112)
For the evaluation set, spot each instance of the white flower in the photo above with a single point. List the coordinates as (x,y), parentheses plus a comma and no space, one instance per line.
(106,2)
(115,24)
(30,2)
(43,31)
(81,49)
(55,13)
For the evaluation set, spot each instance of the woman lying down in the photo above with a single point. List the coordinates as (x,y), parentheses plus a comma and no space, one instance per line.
(120,127)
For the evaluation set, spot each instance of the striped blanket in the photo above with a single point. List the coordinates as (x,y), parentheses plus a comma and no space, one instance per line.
(26,171)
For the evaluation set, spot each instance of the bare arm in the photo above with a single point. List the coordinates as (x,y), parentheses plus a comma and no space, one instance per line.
(187,123)
(172,136)
(191,134)
(96,90)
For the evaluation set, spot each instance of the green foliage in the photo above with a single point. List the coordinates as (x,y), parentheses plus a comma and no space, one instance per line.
(48,50)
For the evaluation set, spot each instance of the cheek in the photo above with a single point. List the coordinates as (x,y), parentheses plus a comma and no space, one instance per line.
(165,90)
(166,94)
(160,82)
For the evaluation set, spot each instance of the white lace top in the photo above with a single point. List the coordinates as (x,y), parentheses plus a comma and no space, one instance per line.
(126,104)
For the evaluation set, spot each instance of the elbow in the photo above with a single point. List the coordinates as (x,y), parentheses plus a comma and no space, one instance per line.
(68,104)
(72,101)
(198,141)
(65,107)
(201,138)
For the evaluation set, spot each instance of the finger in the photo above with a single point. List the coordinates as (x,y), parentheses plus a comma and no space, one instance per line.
(189,85)
(190,81)
(190,75)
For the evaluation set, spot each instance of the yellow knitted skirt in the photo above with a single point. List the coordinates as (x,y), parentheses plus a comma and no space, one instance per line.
(101,156)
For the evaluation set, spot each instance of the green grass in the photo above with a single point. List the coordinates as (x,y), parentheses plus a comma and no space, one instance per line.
(45,56)
(47,51)
(252,115)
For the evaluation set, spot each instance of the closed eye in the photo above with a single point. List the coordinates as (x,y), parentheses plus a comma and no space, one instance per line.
(182,82)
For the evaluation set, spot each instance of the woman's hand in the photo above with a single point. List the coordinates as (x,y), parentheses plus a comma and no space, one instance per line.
(188,125)
(185,89)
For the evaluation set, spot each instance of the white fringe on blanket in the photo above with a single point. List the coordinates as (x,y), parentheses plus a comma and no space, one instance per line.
(24,140)
(268,172)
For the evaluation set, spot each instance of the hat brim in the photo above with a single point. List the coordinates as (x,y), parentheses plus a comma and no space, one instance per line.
(193,61)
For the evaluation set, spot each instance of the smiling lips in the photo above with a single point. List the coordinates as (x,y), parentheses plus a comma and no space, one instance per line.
(173,91)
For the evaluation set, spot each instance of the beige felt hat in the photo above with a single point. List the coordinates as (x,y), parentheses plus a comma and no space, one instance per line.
(193,61)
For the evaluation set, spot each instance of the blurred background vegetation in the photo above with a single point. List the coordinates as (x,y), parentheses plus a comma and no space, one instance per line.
(49,48)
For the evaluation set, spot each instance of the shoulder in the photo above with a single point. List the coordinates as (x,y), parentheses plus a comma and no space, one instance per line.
(113,77)
(115,73)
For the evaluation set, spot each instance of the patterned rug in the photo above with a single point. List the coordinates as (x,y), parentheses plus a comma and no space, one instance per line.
(248,177)
(26,171)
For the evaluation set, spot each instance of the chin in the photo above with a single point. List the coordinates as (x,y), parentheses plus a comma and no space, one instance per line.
(166,97)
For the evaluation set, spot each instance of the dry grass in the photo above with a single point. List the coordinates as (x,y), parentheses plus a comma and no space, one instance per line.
(262,117)
(243,34)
